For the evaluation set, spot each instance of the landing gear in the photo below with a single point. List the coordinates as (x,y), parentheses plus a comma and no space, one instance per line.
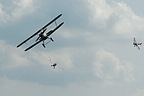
(43,45)
(51,39)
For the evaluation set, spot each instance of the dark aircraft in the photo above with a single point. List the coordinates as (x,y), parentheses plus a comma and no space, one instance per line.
(42,37)
(54,65)
(136,44)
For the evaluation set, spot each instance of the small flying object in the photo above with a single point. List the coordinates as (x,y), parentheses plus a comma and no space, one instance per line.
(54,65)
(42,36)
(136,44)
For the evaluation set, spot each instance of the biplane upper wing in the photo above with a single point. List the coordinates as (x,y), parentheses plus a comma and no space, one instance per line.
(39,30)
(33,45)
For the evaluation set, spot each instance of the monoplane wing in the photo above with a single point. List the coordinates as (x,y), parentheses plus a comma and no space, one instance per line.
(43,28)
(33,45)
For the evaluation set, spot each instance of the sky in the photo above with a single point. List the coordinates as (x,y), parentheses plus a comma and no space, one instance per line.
(93,49)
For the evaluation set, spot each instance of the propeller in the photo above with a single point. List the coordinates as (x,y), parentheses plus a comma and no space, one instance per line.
(41,34)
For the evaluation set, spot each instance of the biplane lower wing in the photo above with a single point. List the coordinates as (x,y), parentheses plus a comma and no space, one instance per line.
(33,45)
(28,39)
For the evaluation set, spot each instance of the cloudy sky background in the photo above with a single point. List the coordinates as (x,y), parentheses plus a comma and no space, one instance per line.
(93,48)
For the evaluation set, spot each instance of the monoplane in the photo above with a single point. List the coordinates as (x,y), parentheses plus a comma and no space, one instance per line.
(42,36)
(136,44)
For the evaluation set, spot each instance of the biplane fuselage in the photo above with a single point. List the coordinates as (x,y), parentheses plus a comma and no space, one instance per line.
(42,37)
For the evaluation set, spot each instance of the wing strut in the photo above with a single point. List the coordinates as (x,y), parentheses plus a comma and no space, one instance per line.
(50,32)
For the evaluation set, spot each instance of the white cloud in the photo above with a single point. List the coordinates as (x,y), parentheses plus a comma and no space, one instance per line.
(17,9)
(139,93)
(11,58)
(118,17)
(109,67)
(75,53)
(128,22)
(23,7)
(3,15)
(100,12)
(62,57)
(18,87)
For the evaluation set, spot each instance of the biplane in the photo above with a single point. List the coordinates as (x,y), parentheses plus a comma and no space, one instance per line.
(137,44)
(42,36)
